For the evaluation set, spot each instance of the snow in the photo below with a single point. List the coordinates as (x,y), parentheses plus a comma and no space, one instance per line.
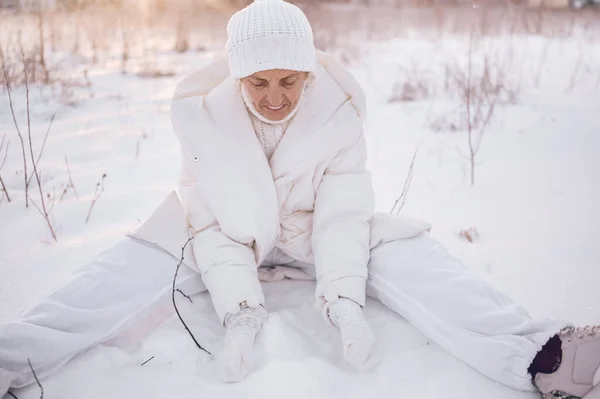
(534,205)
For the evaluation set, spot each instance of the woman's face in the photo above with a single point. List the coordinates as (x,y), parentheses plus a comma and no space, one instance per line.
(275,93)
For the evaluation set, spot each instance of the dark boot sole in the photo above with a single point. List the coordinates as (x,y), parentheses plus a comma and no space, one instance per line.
(559,395)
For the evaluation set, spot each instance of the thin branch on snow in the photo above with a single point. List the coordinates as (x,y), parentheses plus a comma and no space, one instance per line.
(70,184)
(36,173)
(14,118)
(468,101)
(4,190)
(97,194)
(36,379)
(185,295)
(402,198)
(5,152)
(147,361)
(52,199)
(37,161)
(42,213)
(12,394)
(173,296)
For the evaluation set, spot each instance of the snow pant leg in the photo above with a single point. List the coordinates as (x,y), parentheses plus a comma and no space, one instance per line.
(98,301)
(459,310)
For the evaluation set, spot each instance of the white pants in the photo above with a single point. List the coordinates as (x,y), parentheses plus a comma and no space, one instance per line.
(415,278)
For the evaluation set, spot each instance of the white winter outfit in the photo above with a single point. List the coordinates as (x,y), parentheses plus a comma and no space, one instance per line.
(313,200)
(305,211)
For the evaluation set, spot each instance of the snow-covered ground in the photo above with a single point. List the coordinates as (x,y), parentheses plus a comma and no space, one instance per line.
(534,205)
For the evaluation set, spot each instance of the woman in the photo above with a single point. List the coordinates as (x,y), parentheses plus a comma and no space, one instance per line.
(274,175)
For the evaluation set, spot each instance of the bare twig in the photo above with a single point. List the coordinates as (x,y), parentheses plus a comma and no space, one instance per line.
(137,150)
(97,193)
(6,151)
(185,295)
(37,161)
(14,117)
(12,394)
(173,296)
(36,379)
(402,198)
(46,217)
(70,184)
(147,361)
(46,213)
(4,190)
(468,103)
(52,199)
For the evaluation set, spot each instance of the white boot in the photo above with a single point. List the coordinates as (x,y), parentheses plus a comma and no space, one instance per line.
(236,359)
(357,337)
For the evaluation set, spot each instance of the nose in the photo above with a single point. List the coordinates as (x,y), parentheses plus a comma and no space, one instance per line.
(275,97)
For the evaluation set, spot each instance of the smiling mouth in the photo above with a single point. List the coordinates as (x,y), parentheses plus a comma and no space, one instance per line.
(275,108)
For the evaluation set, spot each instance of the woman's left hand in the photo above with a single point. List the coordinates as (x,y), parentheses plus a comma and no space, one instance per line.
(236,359)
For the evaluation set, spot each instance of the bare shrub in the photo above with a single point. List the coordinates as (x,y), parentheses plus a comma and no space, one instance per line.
(480,88)
(409,90)
(44,208)
(416,85)
(46,200)
(448,122)
(18,60)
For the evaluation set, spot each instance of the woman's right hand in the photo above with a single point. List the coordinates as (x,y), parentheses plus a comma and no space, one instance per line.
(357,336)
(236,359)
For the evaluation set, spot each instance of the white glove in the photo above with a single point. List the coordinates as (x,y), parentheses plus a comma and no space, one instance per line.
(357,337)
(236,359)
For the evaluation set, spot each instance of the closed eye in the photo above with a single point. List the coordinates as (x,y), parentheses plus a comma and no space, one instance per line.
(258,85)
(288,83)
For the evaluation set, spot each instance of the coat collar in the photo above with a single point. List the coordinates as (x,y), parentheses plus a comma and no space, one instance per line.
(302,145)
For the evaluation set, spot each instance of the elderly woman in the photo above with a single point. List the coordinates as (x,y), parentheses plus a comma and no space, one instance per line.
(274,175)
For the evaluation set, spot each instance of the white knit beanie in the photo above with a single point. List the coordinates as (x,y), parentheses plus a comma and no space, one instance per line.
(269,34)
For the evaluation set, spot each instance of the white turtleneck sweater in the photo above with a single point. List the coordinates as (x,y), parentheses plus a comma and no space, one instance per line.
(269,132)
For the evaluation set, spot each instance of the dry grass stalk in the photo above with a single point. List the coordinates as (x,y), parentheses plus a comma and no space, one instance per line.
(45,210)
(399,204)
(3,147)
(97,193)
(70,184)
(7,84)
